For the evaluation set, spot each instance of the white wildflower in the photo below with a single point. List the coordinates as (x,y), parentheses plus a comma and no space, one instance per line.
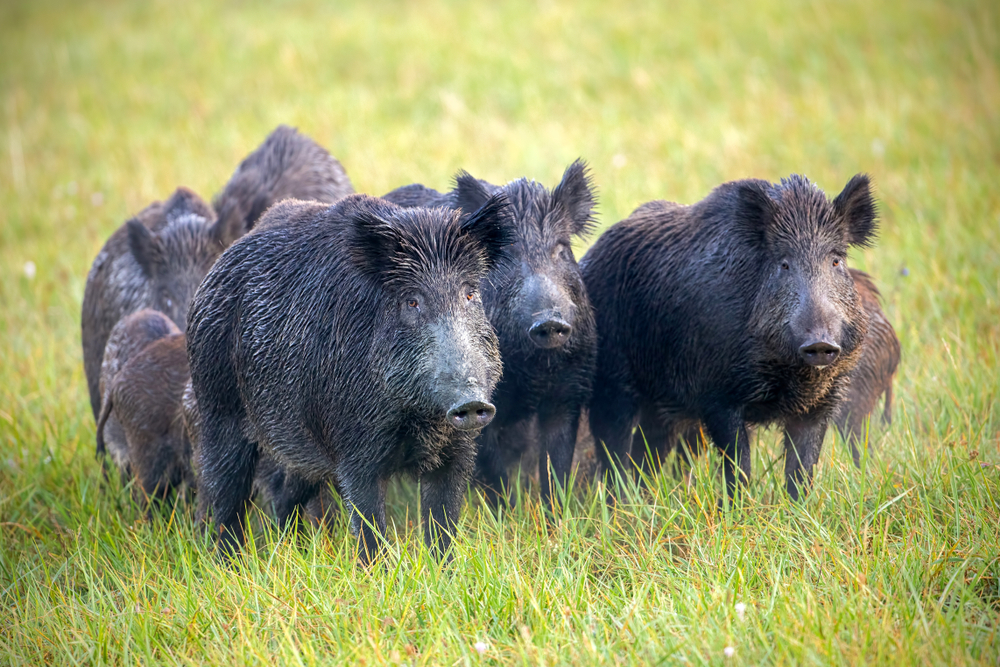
(480,647)
(729,651)
(741,610)
(30,270)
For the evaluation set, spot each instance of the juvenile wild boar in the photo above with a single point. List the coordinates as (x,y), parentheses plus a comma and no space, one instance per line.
(158,258)
(736,310)
(873,375)
(145,397)
(349,343)
(539,307)
(129,337)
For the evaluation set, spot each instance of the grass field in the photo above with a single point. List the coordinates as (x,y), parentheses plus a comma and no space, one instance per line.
(107,106)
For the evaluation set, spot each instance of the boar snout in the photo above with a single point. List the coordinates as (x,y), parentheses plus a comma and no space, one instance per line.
(550,331)
(471,415)
(819,352)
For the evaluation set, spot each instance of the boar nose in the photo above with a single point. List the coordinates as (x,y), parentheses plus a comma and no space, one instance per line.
(819,352)
(471,415)
(550,333)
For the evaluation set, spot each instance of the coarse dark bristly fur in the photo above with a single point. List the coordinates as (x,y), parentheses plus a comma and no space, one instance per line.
(158,258)
(539,307)
(349,343)
(274,488)
(142,388)
(869,380)
(736,310)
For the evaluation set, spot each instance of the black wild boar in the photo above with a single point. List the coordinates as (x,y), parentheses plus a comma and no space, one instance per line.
(736,310)
(873,375)
(145,397)
(539,307)
(158,258)
(349,343)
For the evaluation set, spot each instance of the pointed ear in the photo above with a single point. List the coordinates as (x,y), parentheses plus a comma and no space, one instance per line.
(230,226)
(185,201)
(576,196)
(375,245)
(144,247)
(470,193)
(856,208)
(492,228)
(755,208)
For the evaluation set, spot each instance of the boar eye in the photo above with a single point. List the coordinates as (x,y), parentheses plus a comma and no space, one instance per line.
(784,265)
(836,261)
(413,303)
(469,294)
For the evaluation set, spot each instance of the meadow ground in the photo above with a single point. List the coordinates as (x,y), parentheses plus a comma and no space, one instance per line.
(108,106)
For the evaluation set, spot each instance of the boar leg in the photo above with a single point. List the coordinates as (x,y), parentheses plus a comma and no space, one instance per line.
(289,493)
(653,440)
(441,493)
(227,463)
(492,467)
(729,433)
(803,444)
(557,440)
(612,419)
(366,501)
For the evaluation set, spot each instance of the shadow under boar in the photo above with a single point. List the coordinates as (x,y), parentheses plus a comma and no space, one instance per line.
(158,258)
(143,389)
(349,343)
(539,307)
(736,310)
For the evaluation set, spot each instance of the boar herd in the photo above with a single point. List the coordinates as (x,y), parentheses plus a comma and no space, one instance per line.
(294,336)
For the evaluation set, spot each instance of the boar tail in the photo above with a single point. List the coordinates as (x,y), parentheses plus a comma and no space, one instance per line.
(887,410)
(101,421)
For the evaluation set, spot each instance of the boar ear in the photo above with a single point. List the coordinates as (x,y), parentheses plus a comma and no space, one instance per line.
(144,246)
(491,227)
(230,226)
(575,195)
(374,244)
(185,201)
(855,206)
(470,193)
(755,208)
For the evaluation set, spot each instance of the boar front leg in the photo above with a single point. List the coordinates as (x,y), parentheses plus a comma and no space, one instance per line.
(557,439)
(366,501)
(441,494)
(803,444)
(729,433)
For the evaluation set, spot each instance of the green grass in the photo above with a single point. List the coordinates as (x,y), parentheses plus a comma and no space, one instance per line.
(108,106)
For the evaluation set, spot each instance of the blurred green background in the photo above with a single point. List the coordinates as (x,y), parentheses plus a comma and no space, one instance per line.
(107,106)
